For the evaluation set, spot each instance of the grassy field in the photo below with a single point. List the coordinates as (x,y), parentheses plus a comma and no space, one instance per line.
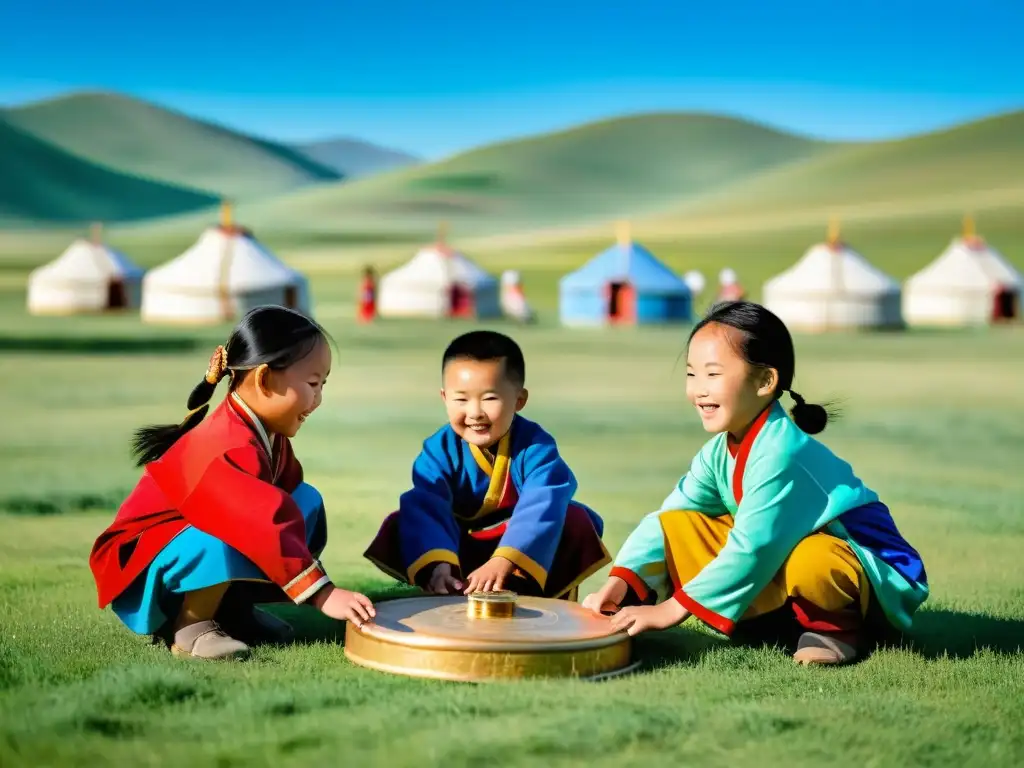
(931,421)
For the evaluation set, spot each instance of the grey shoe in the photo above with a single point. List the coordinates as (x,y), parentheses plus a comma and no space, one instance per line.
(815,648)
(206,640)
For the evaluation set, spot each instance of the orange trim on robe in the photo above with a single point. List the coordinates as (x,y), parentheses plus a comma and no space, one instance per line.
(219,479)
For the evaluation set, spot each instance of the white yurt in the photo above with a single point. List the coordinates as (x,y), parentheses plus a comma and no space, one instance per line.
(834,287)
(439,282)
(222,276)
(970,283)
(89,276)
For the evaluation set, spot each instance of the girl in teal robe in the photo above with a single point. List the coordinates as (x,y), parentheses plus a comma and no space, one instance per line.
(768,520)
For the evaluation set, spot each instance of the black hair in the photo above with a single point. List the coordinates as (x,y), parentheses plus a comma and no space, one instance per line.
(488,345)
(270,335)
(766,343)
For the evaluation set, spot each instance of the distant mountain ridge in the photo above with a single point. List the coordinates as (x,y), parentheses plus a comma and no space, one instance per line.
(89,154)
(355,158)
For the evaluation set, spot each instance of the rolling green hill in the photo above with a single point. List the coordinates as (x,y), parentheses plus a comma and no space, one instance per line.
(589,172)
(973,165)
(43,184)
(146,140)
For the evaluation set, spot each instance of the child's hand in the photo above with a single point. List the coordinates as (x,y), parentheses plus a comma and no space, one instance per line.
(490,577)
(641,618)
(609,597)
(442,582)
(343,605)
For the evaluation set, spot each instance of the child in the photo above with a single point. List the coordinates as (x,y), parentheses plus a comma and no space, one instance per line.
(767,519)
(491,505)
(368,296)
(223,501)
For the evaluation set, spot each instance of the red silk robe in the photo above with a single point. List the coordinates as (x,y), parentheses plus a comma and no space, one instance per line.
(220,479)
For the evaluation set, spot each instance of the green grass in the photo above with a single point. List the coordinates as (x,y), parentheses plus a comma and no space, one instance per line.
(42,183)
(151,142)
(931,422)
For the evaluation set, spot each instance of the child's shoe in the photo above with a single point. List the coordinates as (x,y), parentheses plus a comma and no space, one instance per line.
(816,648)
(206,640)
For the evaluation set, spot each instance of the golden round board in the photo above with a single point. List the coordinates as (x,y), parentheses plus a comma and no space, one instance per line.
(488,636)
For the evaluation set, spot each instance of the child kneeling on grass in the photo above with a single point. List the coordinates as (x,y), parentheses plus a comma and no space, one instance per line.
(222,501)
(768,520)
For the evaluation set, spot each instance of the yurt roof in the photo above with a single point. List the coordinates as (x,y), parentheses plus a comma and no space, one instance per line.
(252,266)
(970,263)
(832,267)
(89,260)
(438,265)
(626,261)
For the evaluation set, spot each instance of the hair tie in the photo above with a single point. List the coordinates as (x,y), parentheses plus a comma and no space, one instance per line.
(218,365)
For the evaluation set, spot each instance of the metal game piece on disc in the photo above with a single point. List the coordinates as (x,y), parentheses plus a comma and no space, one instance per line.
(488,636)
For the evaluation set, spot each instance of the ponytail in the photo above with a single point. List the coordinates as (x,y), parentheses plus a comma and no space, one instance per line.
(810,417)
(152,442)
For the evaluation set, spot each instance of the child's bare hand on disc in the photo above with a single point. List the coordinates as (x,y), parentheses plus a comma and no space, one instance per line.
(490,577)
(442,582)
(641,618)
(343,605)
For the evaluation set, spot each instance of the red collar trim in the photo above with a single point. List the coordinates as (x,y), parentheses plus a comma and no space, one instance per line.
(742,451)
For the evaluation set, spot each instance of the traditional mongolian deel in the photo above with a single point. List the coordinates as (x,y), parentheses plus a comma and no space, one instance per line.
(226,480)
(773,491)
(467,505)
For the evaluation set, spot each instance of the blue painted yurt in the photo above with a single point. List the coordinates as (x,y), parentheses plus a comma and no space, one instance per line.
(624,285)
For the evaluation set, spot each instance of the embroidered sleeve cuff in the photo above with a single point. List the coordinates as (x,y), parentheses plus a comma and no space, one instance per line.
(429,557)
(524,562)
(635,582)
(712,619)
(307,583)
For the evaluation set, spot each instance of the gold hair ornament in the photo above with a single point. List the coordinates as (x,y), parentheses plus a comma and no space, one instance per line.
(218,365)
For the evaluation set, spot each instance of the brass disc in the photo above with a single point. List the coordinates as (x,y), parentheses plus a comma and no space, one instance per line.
(436,636)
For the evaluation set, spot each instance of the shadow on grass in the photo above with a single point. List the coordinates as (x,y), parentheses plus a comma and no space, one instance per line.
(955,634)
(86,345)
(937,634)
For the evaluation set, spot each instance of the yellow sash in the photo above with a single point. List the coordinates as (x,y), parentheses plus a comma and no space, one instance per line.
(497,471)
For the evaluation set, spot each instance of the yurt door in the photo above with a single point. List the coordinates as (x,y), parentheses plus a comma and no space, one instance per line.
(462,301)
(291,297)
(621,303)
(1005,304)
(116,296)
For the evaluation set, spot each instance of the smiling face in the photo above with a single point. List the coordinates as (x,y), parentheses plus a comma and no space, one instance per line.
(727,392)
(480,400)
(284,399)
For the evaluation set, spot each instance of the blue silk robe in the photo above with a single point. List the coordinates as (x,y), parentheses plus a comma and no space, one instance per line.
(521,493)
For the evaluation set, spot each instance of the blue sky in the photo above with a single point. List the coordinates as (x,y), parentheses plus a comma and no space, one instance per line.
(435,78)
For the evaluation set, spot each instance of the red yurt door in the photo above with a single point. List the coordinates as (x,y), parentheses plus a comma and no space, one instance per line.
(621,303)
(461,301)
(117,297)
(1004,304)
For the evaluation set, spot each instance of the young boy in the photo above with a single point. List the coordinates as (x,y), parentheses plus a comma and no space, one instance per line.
(491,505)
